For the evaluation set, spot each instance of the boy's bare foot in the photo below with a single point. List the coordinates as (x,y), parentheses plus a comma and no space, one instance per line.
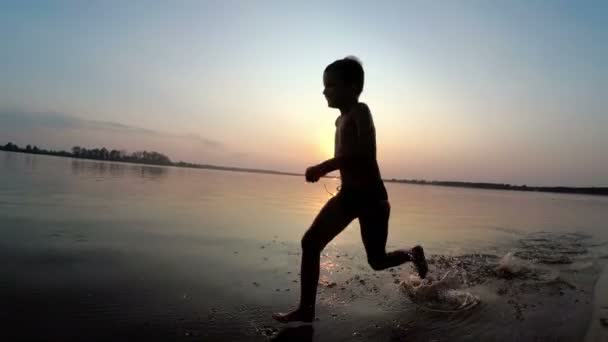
(294,315)
(419,261)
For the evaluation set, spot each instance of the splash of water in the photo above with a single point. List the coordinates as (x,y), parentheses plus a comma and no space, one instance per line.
(441,295)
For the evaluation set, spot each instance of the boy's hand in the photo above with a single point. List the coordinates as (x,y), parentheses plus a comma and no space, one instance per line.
(313,173)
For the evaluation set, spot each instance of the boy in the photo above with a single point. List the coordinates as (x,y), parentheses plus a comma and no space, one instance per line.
(362,194)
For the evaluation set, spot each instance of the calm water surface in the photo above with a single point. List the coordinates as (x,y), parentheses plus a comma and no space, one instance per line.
(100,250)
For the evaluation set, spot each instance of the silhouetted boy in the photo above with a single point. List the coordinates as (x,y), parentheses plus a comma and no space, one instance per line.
(362,194)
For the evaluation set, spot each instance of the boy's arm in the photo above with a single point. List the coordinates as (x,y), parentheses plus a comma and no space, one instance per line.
(338,163)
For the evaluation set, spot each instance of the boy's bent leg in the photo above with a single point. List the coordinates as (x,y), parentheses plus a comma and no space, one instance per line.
(331,220)
(374,233)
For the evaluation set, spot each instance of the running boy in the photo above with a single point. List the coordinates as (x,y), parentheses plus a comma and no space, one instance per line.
(362,194)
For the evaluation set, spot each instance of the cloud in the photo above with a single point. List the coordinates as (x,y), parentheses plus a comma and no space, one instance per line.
(14,120)
(205,141)
(58,131)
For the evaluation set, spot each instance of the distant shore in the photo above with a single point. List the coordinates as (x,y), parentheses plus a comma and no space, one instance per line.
(158,159)
(599,191)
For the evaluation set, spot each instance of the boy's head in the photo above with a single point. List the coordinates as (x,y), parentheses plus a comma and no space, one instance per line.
(343,81)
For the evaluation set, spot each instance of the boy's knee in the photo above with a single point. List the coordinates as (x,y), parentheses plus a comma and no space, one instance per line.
(311,243)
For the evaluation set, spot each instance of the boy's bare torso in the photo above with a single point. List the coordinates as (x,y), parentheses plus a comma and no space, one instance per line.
(355,141)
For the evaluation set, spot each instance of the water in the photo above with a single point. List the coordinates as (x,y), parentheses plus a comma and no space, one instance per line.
(99,250)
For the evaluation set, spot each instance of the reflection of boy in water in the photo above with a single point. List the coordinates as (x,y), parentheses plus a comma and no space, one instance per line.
(362,194)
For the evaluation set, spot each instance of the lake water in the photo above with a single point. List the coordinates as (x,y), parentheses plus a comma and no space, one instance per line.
(99,250)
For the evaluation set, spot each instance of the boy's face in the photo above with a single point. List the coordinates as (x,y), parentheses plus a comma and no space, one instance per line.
(336,92)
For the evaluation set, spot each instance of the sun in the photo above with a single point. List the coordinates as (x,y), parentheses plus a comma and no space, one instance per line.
(326,143)
(327,149)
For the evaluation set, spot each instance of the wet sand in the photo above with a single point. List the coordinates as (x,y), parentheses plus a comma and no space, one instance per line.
(598,327)
(88,293)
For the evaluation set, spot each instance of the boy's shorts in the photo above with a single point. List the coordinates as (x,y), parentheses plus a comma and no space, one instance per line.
(357,199)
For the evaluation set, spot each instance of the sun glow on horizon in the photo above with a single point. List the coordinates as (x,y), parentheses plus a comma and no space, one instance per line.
(325,142)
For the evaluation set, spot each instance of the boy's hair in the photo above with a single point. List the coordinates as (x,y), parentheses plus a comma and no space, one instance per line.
(349,70)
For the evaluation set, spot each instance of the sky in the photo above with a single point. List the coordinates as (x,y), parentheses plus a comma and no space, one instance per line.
(491,91)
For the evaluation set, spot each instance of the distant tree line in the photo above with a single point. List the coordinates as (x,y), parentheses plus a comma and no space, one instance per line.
(155,158)
(500,186)
(142,157)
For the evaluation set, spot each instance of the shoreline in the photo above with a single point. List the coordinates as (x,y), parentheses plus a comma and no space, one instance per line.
(592,191)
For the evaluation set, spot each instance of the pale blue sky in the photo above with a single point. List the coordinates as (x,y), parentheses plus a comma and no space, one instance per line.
(500,91)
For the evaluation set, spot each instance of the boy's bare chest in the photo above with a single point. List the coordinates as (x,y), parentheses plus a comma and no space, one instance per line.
(344,129)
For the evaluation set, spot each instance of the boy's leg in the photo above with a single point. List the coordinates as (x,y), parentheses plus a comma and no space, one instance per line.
(374,232)
(331,220)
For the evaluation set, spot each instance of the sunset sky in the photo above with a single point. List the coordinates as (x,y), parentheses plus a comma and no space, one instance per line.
(498,91)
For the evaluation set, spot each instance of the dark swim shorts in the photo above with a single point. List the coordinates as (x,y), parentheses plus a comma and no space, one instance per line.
(359,198)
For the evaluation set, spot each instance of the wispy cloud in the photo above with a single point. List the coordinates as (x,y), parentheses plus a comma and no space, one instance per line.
(24,120)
